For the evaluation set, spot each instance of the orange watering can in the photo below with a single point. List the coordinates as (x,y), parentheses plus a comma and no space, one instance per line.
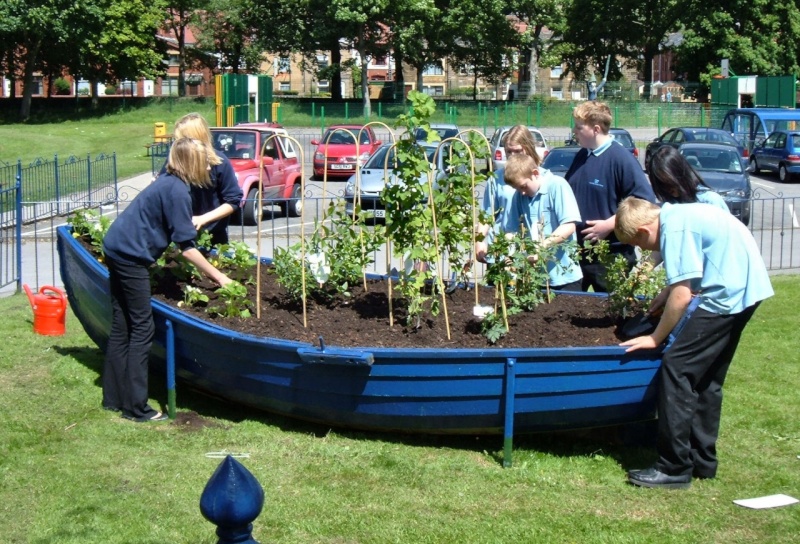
(49,310)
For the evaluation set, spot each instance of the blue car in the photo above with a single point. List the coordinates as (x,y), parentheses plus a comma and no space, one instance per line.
(724,171)
(779,153)
(675,137)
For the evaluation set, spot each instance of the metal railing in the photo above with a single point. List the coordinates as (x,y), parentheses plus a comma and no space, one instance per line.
(28,253)
(56,187)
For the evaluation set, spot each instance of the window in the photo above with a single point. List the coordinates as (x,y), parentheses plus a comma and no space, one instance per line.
(433,70)
(379,61)
(169,86)
(37,85)
(556,71)
(322,61)
(284,65)
(128,88)
(323,86)
(285,86)
(433,90)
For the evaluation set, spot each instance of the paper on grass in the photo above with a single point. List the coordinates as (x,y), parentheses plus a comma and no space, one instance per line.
(770,501)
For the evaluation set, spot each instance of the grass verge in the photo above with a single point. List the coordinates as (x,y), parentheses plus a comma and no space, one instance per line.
(74,473)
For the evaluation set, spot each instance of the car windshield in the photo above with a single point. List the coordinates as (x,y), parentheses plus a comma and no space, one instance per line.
(345,137)
(378,159)
(444,133)
(715,136)
(624,139)
(235,144)
(559,158)
(722,160)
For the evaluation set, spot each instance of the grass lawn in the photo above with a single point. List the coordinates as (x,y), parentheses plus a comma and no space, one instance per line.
(74,473)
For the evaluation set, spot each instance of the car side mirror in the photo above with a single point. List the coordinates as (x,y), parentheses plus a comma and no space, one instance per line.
(314,142)
(267,161)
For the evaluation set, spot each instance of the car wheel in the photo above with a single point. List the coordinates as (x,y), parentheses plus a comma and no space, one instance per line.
(251,211)
(784,174)
(293,207)
(754,162)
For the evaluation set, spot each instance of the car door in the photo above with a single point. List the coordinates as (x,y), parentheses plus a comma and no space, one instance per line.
(770,153)
(274,173)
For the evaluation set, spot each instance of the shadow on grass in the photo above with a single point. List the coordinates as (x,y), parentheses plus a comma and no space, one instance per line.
(631,445)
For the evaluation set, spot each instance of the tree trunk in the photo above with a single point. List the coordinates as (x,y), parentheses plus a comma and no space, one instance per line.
(27,79)
(533,71)
(399,78)
(95,99)
(336,75)
(648,56)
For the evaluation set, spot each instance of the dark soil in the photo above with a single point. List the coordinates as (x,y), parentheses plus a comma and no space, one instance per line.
(363,320)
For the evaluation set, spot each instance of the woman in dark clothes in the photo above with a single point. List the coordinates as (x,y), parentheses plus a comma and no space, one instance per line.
(161,214)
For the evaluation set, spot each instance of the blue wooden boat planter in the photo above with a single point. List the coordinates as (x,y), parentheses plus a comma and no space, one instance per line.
(420,390)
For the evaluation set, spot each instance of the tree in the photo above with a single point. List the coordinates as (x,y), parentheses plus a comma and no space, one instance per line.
(482,38)
(121,45)
(225,29)
(757,37)
(624,29)
(539,16)
(179,17)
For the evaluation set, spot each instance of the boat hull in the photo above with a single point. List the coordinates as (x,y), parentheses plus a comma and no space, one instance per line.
(450,391)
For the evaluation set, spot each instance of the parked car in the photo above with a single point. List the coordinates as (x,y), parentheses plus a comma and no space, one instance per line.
(374,176)
(497,142)
(680,135)
(751,126)
(722,169)
(625,139)
(338,153)
(445,130)
(256,147)
(779,153)
(559,159)
(620,134)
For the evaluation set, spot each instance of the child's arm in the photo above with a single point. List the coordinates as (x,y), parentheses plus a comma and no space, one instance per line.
(194,256)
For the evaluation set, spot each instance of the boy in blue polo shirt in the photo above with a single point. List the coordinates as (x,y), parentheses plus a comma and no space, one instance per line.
(546,200)
(711,257)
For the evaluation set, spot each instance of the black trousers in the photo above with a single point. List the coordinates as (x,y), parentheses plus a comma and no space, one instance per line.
(690,391)
(125,370)
(594,273)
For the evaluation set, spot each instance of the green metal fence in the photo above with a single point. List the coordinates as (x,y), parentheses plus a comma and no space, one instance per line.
(491,114)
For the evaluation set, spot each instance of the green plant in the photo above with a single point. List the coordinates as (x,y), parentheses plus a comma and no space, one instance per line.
(192,296)
(236,259)
(629,291)
(91,224)
(409,221)
(518,270)
(62,86)
(336,254)
(234,301)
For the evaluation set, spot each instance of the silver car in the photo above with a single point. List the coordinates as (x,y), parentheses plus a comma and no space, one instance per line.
(498,141)
(374,177)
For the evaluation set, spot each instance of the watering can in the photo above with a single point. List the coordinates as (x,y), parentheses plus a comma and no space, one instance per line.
(49,310)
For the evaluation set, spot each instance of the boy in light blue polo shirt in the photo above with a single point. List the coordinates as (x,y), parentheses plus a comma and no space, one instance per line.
(710,255)
(545,201)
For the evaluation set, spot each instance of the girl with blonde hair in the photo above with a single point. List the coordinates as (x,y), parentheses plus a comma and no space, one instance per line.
(211,205)
(161,214)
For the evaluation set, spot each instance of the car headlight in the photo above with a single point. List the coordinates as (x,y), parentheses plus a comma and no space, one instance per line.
(350,188)
(363,158)
(319,156)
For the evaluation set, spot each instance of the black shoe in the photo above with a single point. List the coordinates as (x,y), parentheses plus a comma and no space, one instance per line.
(112,408)
(652,477)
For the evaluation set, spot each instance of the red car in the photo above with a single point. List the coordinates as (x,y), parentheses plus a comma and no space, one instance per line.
(337,152)
(249,145)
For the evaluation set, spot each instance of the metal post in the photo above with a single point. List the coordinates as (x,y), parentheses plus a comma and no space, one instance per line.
(170,370)
(508,401)
(232,500)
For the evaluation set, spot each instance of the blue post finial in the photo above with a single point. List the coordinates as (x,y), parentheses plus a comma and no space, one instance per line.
(231,500)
